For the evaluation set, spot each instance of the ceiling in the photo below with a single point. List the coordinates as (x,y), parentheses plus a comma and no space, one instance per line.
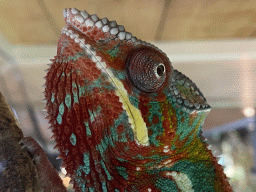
(40,21)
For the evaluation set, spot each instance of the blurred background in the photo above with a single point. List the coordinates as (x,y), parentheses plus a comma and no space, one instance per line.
(211,42)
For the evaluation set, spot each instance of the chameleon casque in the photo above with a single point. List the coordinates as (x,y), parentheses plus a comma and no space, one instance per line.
(122,117)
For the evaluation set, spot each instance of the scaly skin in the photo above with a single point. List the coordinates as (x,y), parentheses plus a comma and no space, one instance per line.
(122,117)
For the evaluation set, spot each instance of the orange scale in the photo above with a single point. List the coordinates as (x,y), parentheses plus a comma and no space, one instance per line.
(77,49)
(81,60)
(108,96)
(110,121)
(78,66)
(99,37)
(117,40)
(166,124)
(109,112)
(79,130)
(86,65)
(115,98)
(81,83)
(91,64)
(84,29)
(144,100)
(92,37)
(94,68)
(101,34)
(96,75)
(88,33)
(165,112)
(68,88)
(90,78)
(123,43)
(155,119)
(83,69)
(94,32)
(82,76)
(73,75)
(115,115)
(112,37)
(174,118)
(68,70)
(59,71)
(61,97)
(93,78)
(148,124)
(118,109)
(144,109)
(118,104)
(120,128)
(161,97)
(98,72)
(170,135)
(96,90)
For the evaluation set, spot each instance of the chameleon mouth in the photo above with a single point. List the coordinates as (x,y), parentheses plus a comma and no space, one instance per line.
(186,94)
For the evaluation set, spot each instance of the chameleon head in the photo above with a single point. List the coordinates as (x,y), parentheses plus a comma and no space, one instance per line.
(112,96)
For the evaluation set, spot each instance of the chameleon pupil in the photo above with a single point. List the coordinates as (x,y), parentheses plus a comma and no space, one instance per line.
(160,70)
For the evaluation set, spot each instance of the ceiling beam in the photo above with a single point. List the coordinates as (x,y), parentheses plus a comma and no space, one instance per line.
(178,52)
(164,14)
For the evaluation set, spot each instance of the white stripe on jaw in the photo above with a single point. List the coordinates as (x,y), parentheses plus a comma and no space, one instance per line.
(182,181)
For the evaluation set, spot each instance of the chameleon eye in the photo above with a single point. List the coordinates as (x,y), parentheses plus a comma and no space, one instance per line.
(146,70)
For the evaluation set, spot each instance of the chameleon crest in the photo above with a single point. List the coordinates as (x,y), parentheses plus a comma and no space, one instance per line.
(122,117)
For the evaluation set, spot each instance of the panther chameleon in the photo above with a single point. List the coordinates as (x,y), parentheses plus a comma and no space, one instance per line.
(122,117)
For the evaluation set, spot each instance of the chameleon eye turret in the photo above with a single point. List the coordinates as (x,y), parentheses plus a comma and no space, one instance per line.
(122,117)
(146,70)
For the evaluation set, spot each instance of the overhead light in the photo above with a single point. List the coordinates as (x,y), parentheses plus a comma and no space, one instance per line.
(249,112)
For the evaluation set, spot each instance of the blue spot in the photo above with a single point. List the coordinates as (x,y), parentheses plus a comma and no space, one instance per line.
(91,115)
(120,75)
(91,189)
(81,183)
(52,100)
(72,139)
(59,119)
(123,138)
(75,97)
(102,146)
(123,172)
(105,169)
(116,190)
(114,133)
(86,167)
(104,187)
(81,90)
(68,100)
(88,130)
(61,109)
(75,93)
